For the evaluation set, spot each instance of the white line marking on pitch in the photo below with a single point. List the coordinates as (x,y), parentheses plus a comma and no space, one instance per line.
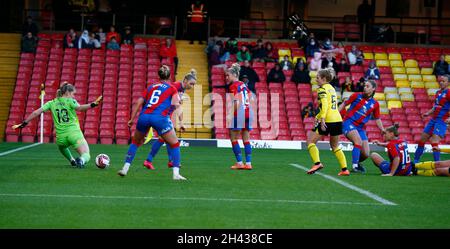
(18,149)
(186,199)
(348,185)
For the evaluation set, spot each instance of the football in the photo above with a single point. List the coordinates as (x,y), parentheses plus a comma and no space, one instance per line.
(102,161)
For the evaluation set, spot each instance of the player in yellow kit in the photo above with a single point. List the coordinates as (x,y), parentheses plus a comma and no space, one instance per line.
(328,122)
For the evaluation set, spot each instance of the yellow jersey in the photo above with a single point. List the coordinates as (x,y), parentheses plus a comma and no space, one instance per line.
(328,104)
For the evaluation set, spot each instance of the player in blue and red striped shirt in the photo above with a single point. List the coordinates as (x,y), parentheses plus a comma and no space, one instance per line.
(188,82)
(363,107)
(157,102)
(436,128)
(240,121)
(400,162)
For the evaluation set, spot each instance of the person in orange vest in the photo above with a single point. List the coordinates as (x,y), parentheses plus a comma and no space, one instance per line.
(196,16)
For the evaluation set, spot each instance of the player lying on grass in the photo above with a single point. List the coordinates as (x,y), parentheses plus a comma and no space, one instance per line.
(188,82)
(399,161)
(68,132)
(156,103)
(430,168)
(362,108)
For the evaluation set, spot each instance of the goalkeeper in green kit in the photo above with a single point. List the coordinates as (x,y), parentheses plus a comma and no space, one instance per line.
(68,132)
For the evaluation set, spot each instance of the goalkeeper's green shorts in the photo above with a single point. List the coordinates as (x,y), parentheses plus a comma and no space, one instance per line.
(75,139)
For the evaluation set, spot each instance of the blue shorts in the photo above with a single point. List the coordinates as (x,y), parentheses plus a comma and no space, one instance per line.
(348,126)
(241,122)
(385,168)
(437,127)
(160,123)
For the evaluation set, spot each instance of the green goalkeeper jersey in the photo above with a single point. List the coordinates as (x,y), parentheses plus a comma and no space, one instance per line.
(64,114)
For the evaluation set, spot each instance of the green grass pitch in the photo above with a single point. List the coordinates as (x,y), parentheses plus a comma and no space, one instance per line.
(38,189)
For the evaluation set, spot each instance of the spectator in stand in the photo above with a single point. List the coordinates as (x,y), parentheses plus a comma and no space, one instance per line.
(168,50)
(29,43)
(343,66)
(305,42)
(347,86)
(312,48)
(316,62)
(276,75)
(352,55)
(94,42)
(271,53)
(224,55)
(214,57)
(70,39)
(372,72)
(101,36)
(210,45)
(359,58)
(243,54)
(112,33)
(252,76)
(301,73)
(259,52)
(441,67)
(250,85)
(360,85)
(308,111)
(128,37)
(286,63)
(231,46)
(329,61)
(327,46)
(83,42)
(113,44)
(30,26)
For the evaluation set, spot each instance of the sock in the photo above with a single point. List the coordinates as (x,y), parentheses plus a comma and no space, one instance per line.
(85,157)
(131,151)
(341,159)
(155,148)
(314,153)
(169,155)
(248,152)
(66,152)
(425,165)
(419,152)
(436,152)
(176,170)
(126,166)
(176,154)
(356,154)
(237,151)
(426,172)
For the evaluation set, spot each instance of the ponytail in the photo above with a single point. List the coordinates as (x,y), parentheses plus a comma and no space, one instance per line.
(192,75)
(394,129)
(235,69)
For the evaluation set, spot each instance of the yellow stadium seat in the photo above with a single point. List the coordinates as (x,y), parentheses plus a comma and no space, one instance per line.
(412,70)
(402,83)
(384,110)
(394,104)
(426,71)
(396,63)
(296,58)
(379,96)
(411,63)
(400,77)
(382,63)
(417,84)
(390,89)
(407,97)
(283,52)
(404,90)
(392,96)
(381,56)
(368,56)
(282,58)
(431,84)
(382,103)
(398,70)
(395,57)
(432,91)
(431,78)
(415,77)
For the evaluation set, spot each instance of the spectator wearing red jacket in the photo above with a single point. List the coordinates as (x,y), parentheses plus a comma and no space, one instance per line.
(169,51)
(112,33)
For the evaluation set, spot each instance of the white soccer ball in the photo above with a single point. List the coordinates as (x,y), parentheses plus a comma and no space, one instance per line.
(102,161)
